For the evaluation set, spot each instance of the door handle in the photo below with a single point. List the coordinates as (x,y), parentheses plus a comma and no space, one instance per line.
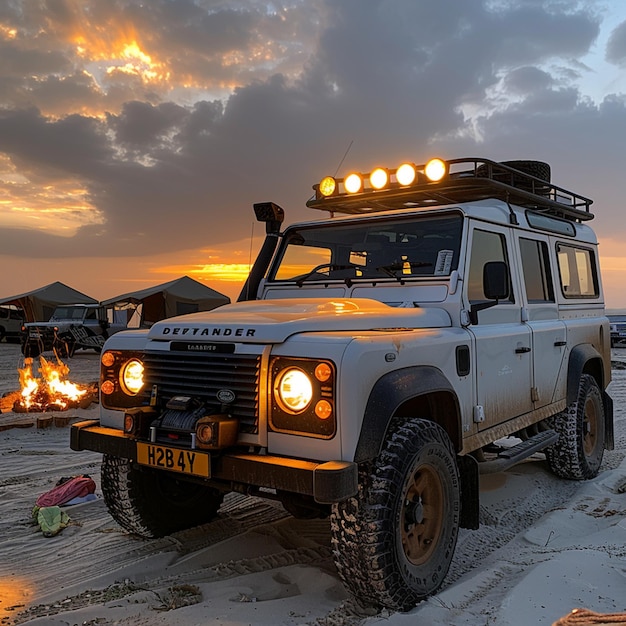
(522,350)
(558,344)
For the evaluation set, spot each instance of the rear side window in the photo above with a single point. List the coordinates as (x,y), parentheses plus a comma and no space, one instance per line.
(536,268)
(578,271)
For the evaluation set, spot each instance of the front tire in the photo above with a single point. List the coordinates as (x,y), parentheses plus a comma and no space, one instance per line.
(394,541)
(153,503)
(577,455)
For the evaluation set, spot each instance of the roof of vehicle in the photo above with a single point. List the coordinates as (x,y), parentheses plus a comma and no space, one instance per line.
(465,180)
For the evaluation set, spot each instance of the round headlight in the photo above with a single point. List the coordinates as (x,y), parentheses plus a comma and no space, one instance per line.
(294,390)
(131,377)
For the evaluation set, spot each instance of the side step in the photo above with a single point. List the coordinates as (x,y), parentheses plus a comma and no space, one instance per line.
(511,456)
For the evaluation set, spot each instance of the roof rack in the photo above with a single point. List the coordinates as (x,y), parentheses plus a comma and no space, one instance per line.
(464,180)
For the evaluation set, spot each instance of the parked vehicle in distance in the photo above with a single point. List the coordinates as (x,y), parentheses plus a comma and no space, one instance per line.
(72,327)
(617,324)
(11,320)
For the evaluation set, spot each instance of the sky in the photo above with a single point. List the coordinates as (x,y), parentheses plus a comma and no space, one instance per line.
(135,136)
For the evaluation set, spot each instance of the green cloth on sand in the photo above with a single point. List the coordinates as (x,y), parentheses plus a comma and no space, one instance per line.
(52,520)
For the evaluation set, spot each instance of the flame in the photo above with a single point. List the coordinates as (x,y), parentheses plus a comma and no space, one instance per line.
(50,389)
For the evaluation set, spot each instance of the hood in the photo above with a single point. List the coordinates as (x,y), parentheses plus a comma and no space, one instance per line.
(273,321)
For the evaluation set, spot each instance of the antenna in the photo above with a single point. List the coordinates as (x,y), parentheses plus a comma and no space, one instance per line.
(343,158)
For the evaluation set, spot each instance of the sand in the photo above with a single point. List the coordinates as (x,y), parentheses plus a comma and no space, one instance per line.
(545,547)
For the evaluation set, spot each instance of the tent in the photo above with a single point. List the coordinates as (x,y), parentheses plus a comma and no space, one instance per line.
(39,304)
(178,297)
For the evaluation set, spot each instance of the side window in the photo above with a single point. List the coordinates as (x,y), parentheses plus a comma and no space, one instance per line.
(577,271)
(536,268)
(486,246)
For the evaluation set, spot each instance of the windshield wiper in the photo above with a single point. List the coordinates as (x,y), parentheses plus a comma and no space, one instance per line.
(392,268)
(329,267)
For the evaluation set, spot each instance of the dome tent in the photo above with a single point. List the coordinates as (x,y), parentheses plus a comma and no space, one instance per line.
(177,297)
(39,304)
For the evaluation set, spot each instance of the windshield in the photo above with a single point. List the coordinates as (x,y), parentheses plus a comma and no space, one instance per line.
(72,313)
(419,247)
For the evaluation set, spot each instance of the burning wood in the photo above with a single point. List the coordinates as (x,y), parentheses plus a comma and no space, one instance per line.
(50,391)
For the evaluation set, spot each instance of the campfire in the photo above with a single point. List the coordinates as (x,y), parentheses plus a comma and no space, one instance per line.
(50,390)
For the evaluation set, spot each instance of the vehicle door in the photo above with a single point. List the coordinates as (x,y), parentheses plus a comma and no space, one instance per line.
(549,334)
(503,359)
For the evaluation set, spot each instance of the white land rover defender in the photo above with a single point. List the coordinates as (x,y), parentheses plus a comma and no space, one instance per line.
(377,362)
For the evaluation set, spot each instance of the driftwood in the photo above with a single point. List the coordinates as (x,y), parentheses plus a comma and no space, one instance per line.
(585,617)
(8,400)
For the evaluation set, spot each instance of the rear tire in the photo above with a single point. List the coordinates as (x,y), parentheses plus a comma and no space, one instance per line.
(578,453)
(153,503)
(394,541)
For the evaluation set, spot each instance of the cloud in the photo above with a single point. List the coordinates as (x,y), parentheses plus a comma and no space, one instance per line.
(616,46)
(222,104)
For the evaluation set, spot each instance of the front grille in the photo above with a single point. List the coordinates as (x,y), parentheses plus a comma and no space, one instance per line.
(202,376)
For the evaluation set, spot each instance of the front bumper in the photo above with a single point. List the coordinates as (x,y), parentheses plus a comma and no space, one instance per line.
(328,482)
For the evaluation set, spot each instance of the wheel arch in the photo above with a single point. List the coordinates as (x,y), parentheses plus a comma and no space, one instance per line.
(585,359)
(419,391)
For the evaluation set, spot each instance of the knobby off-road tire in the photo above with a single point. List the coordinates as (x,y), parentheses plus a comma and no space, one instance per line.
(153,503)
(577,455)
(394,541)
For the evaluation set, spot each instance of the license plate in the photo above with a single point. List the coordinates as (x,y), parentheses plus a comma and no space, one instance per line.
(175,460)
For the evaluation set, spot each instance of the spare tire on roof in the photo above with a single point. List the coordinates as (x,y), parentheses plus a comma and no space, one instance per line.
(538,169)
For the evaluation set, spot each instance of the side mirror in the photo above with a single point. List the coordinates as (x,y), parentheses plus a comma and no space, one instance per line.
(495,287)
(496,280)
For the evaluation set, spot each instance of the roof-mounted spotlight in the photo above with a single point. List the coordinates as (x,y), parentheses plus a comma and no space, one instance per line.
(328,186)
(406,174)
(379,178)
(435,170)
(353,183)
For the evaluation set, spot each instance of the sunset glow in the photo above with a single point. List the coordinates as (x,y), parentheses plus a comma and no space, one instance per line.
(135,136)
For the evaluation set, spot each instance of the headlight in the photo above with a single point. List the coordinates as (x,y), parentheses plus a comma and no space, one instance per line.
(121,379)
(303,397)
(131,377)
(294,390)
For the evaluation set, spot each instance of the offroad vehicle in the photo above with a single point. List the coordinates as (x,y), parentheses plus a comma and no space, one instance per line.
(617,324)
(11,320)
(446,320)
(71,327)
